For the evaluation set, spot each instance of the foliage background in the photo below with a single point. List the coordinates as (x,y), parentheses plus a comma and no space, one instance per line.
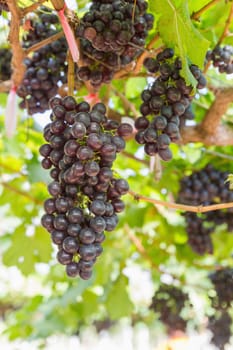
(150,241)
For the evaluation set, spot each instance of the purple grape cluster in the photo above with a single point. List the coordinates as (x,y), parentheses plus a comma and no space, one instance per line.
(3,6)
(199,237)
(223,284)
(166,104)
(81,147)
(112,34)
(220,327)
(205,187)
(220,323)
(168,302)
(222,58)
(46,68)
(5,63)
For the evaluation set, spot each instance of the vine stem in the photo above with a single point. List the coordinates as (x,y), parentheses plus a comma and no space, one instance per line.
(70,75)
(227,26)
(194,209)
(196,15)
(212,118)
(17,50)
(139,246)
(21,193)
(58,4)
(44,42)
(127,104)
(218,154)
(145,54)
(132,156)
(10,169)
(31,8)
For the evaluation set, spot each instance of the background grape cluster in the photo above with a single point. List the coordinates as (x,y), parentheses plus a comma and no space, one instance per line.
(47,68)
(168,302)
(220,323)
(205,187)
(166,104)
(5,63)
(220,327)
(222,58)
(112,34)
(86,194)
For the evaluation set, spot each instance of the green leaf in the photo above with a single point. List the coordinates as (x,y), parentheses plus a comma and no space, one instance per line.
(134,87)
(35,171)
(26,250)
(177,31)
(118,303)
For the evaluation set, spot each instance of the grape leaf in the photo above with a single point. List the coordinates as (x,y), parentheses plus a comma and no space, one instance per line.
(118,302)
(25,250)
(177,31)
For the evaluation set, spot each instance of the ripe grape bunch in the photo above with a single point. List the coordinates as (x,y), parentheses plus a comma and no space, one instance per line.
(166,104)
(168,302)
(220,327)
(5,63)
(204,187)
(85,194)
(222,58)
(46,68)
(112,34)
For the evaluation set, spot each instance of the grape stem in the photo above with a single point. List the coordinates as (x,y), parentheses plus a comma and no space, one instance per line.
(217,154)
(196,15)
(195,209)
(17,51)
(139,246)
(44,42)
(113,114)
(11,170)
(146,54)
(131,156)
(58,4)
(227,26)
(21,193)
(126,103)
(70,75)
(31,8)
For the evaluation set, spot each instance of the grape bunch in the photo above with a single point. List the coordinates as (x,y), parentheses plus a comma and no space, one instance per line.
(220,327)
(112,34)
(81,147)
(46,68)
(220,323)
(205,187)
(222,58)
(223,285)
(5,63)
(166,104)
(198,234)
(168,302)
(3,6)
